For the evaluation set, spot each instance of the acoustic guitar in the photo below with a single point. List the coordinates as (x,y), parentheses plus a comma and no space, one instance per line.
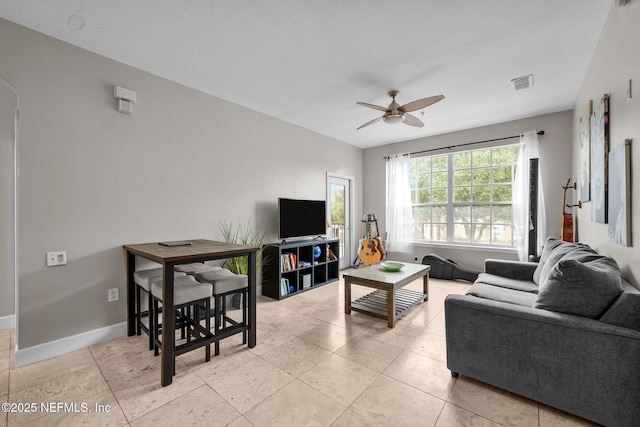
(372,251)
(566,231)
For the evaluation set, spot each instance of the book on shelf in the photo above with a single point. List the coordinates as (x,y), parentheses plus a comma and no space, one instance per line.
(288,261)
(284,286)
(306,281)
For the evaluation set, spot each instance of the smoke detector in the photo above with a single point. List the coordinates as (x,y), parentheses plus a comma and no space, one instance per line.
(523,82)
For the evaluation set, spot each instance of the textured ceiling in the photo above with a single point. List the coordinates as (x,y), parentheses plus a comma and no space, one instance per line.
(308,61)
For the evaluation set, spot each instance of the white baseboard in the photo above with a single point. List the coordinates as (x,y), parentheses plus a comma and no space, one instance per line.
(7,322)
(55,348)
(51,349)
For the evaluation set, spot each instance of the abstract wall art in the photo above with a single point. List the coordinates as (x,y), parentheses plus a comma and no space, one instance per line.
(620,194)
(584,192)
(599,136)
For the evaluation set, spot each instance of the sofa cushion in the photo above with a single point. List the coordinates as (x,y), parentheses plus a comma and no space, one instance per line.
(579,254)
(548,247)
(497,293)
(625,311)
(553,251)
(505,282)
(582,288)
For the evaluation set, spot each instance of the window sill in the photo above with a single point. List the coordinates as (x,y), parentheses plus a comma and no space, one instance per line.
(496,249)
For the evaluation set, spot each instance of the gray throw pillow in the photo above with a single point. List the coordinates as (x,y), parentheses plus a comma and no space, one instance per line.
(560,250)
(624,312)
(548,247)
(581,288)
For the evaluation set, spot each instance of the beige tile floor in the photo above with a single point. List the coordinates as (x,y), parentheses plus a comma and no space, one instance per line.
(313,365)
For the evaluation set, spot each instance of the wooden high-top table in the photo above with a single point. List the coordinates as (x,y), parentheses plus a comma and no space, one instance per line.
(199,251)
(389,301)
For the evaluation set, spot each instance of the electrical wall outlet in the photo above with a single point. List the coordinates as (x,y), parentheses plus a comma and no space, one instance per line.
(56,258)
(113,295)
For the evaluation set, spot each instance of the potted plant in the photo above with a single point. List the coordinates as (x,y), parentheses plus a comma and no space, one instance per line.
(242,234)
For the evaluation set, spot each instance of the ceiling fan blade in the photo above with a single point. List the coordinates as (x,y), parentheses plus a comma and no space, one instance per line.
(375,107)
(420,103)
(411,120)
(371,122)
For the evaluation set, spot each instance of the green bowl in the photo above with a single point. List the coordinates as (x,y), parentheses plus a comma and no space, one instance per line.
(391,265)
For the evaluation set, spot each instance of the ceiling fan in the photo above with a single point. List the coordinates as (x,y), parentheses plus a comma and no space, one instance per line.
(395,113)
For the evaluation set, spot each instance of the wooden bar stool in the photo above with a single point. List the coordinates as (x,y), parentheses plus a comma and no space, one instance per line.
(143,279)
(226,283)
(190,299)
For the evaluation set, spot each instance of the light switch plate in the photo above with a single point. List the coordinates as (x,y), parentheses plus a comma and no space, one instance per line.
(113,295)
(56,258)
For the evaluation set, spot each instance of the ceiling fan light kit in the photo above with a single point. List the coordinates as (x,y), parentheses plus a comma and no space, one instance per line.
(393,119)
(396,113)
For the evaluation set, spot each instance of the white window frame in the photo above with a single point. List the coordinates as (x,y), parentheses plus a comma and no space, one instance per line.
(451,204)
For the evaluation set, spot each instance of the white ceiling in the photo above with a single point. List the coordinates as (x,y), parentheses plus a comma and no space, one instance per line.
(308,61)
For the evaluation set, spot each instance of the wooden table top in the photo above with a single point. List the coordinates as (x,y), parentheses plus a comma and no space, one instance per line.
(199,248)
(376,273)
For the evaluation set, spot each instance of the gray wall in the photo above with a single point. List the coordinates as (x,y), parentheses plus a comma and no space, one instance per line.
(555,169)
(93,179)
(8,105)
(615,61)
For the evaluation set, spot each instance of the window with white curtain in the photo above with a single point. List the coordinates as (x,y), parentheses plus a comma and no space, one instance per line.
(464,197)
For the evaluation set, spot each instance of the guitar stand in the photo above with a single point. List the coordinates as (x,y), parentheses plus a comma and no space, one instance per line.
(357,262)
(367,223)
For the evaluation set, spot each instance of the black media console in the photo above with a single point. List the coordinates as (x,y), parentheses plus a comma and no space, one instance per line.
(291,268)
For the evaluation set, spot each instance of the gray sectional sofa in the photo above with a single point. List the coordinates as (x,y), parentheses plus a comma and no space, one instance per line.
(564,331)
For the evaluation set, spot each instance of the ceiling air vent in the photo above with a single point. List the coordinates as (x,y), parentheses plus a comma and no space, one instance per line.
(523,82)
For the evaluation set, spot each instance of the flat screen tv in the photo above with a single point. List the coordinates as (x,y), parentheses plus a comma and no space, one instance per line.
(299,218)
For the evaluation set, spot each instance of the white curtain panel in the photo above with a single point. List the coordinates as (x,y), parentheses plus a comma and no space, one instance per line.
(399,215)
(521,220)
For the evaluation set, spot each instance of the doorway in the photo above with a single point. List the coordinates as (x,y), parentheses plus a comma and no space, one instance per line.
(340,214)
